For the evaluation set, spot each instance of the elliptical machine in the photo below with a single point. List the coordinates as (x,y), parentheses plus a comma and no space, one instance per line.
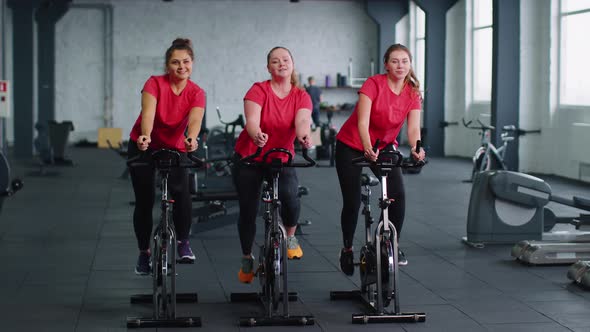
(378,267)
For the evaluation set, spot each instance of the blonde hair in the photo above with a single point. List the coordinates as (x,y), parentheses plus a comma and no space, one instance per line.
(294,76)
(411,78)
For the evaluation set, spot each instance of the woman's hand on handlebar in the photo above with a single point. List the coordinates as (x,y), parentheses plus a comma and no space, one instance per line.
(143,142)
(191,144)
(305,141)
(260,139)
(370,154)
(421,155)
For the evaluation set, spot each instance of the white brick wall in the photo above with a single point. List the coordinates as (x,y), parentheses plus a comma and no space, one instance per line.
(231,39)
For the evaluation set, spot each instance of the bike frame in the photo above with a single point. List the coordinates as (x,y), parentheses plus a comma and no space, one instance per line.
(273,249)
(384,236)
(276,238)
(488,156)
(164,298)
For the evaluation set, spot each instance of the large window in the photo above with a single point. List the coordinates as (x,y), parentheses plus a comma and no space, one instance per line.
(419,42)
(574,70)
(481,35)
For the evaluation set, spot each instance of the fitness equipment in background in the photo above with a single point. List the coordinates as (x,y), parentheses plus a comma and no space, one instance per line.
(325,151)
(489,157)
(7,187)
(222,139)
(579,273)
(508,207)
(51,143)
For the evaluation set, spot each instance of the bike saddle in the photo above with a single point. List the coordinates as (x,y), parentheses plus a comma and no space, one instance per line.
(368,180)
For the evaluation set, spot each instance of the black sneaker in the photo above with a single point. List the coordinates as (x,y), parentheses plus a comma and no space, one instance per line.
(401,258)
(347,261)
(143,264)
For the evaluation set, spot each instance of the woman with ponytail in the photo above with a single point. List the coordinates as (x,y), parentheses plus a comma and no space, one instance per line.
(171,104)
(277,112)
(385,102)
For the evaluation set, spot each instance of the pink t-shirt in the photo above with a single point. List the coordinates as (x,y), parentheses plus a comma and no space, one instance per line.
(172,111)
(277,118)
(388,113)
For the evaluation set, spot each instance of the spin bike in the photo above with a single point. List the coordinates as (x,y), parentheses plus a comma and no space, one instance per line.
(272,260)
(163,248)
(378,267)
(487,156)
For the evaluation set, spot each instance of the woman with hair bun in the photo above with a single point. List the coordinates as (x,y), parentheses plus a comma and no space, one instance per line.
(171,105)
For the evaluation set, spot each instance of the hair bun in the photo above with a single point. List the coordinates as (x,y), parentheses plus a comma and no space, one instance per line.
(182,42)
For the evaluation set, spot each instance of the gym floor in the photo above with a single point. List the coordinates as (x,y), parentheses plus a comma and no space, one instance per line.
(67,254)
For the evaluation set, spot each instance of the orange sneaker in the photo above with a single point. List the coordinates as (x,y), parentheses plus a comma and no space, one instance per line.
(246,273)
(293,248)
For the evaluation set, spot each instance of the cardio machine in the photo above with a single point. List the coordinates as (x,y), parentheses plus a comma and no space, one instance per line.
(509,207)
(163,248)
(7,187)
(272,260)
(487,156)
(378,266)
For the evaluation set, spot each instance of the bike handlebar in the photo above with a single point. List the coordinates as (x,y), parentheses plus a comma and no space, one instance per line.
(390,159)
(165,159)
(481,126)
(507,128)
(249,160)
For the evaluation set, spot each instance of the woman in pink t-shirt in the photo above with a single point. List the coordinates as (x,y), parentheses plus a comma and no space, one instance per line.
(385,102)
(171,104)
(277,112)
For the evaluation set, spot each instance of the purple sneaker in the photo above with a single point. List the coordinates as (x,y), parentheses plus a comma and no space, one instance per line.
(185,254)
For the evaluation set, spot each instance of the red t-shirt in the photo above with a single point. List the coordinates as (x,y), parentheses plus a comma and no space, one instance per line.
(171,118)
(277,118)
(388,113)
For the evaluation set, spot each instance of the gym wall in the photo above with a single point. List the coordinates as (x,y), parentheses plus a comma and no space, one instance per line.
(231,40)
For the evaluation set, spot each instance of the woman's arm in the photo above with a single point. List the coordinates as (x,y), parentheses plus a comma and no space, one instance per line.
(413,121)
(195,119)
(364,116)
(148,113)
(252,113)
(303,127)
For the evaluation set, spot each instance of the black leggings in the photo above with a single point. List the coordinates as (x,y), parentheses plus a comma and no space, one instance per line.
(349,177)
(144,187)
(248,183)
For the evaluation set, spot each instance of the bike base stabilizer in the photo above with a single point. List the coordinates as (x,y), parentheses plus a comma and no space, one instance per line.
(253,297)
(414,317)
(147,322)
(180,298)
(277,321)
